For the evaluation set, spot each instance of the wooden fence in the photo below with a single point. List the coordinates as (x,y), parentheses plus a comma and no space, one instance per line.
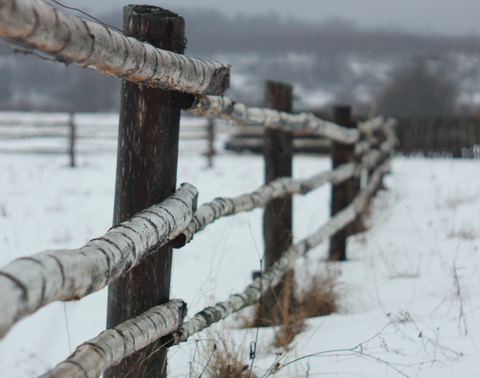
(76,133)
(439,136)
(134,257)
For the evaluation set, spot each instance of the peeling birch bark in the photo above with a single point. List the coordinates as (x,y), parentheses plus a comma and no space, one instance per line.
(29,283)
(224,206)
(372,125)
(225,107)
(35,26)
(109,348)
(274,274)
(362,148)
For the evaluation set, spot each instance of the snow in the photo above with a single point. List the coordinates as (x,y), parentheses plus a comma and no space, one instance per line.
(410,291)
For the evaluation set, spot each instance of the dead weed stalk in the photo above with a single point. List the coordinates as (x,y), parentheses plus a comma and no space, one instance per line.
(222,358)
(318,297)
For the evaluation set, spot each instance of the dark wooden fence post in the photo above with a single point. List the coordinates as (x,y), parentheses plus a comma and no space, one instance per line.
(71,126)
(211,139)
(278,153)
(342,194)
(146,175)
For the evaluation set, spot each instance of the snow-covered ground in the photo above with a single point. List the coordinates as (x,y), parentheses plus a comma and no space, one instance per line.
(410,292)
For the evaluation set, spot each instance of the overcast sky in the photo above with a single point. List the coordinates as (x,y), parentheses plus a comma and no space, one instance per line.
(448,17)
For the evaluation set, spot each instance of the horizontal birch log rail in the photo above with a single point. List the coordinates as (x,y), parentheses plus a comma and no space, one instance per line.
(29,283)
(275,273)
(226,108)
(364,146)
(224,206)
(372,125)
(375,156)
(109,348)
(35,26)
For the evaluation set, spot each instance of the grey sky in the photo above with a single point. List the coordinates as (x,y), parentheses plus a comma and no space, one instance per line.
(448,17)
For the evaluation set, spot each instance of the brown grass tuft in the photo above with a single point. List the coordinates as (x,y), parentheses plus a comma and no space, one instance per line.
(320,297)
(462,233)
(223,359)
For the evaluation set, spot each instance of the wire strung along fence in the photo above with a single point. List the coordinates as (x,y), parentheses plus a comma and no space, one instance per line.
(150,217)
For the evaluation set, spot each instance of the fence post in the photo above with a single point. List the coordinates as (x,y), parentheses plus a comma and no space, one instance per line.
(146,175)
(71,125)
(211,139)
(277,222)
(342,194)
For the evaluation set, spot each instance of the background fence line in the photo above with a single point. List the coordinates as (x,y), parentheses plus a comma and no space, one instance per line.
(433,136)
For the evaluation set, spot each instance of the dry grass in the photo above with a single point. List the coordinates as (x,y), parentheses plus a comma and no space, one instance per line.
(318,297)
(462,233)
(224,359)
(293,325)
(454,202)
(221,357)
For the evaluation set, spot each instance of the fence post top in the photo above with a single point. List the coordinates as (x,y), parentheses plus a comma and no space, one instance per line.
(150,10)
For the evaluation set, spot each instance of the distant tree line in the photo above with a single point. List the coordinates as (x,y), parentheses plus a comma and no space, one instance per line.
(333,61)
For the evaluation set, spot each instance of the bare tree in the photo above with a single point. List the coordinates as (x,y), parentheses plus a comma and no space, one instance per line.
(419,87)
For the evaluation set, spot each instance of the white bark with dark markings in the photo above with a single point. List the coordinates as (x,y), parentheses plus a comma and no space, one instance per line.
(29,283)
(224,206)
(35,26)
(372,125)
(109,348)
(225,107)
(374,156)
(274,274)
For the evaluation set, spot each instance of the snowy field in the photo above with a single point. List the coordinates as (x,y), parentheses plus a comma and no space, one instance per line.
(410,292)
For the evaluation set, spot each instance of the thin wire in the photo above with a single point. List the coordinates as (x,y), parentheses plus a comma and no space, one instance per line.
(181,43)
(93,18)
(68,331)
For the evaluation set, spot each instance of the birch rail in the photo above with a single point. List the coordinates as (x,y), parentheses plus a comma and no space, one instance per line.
(220,207)
(109,348)
(29,283)
(225,107)
(35,26)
